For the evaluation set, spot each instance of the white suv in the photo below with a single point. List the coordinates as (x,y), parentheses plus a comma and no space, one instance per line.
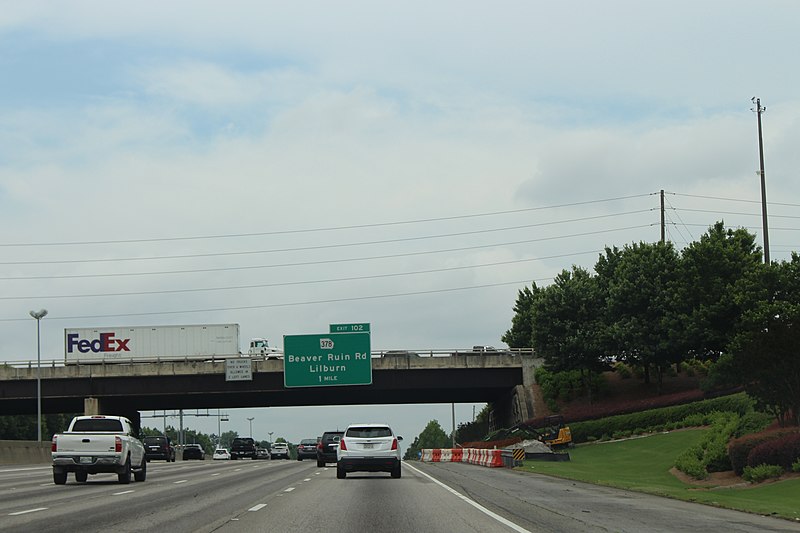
(368,448)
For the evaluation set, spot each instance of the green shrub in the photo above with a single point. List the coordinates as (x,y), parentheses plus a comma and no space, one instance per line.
(711,453)
(664,416)
(796,466)
(757,474)
(753,422)
(690,462)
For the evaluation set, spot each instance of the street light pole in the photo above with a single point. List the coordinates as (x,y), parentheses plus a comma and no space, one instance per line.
(38,315)
(250,419)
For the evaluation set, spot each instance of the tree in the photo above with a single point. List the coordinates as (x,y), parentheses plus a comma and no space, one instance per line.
(765,352)
(520,334)
(709,271)
(433,436)
(643,307)
(568,325)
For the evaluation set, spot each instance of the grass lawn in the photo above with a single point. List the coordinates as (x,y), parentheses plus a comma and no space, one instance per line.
(643,465)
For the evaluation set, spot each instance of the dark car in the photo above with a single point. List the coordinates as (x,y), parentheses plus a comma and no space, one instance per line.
(158,447)
(193,451)
(307,449)
(243,447)
(326,448)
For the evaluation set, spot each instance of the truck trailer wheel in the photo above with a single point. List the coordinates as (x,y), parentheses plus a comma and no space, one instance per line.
(59,478)
(124,477)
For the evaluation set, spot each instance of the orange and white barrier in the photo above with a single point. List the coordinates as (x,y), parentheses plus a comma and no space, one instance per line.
(475,456)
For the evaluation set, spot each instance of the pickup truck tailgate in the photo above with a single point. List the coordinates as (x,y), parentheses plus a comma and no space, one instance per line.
(78,444)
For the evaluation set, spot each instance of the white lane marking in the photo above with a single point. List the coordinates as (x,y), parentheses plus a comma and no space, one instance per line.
(317,473)
(476,505)
(257,507)
(123,492)
(46,484)
(215,474)
(290,489)
(28,511)
(238,470)
(4,470)
(307,479)
(181,481)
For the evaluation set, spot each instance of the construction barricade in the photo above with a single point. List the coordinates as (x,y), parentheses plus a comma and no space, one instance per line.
(475,456)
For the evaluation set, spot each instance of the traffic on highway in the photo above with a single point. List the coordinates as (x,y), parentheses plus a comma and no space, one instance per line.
(288,496)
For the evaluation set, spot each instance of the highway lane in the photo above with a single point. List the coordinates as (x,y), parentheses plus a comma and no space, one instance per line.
(542,503)
(253,496)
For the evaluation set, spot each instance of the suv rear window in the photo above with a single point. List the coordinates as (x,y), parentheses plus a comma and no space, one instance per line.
(243,442)
(368,432)
(155,441)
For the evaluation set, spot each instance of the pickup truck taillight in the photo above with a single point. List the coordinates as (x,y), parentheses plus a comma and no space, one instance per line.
(54,445)
(342,445)
(319,445)
(117,444)
(394,444)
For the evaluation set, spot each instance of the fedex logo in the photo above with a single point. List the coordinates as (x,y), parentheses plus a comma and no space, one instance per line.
(106,343)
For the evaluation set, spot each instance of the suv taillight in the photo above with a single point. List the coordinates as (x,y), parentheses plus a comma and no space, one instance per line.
(394,444)
(342,445)
(319,445)
(54,445)
(117,444)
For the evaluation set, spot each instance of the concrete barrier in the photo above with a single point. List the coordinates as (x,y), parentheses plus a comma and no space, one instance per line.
(24,452)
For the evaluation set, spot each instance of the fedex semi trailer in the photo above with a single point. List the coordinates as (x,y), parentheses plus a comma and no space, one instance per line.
(150,343)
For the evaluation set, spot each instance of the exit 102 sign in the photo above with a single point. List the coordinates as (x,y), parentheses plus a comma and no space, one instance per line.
(350,328)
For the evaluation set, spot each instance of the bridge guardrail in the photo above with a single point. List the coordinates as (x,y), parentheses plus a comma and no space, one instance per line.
(375,354)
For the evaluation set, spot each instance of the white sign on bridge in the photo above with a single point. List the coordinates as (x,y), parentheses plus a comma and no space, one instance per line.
(238,370)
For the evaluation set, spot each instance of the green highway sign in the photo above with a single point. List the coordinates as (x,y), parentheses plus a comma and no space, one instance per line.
(349,328)
(326,359)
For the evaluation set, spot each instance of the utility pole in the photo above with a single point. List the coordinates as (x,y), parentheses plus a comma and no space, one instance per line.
(759,110)
(663,229)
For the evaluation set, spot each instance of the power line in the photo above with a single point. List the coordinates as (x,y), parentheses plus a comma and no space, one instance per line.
(305,282)
(286,304)
(731,199)
(322,229)
(322,246)
(320,262)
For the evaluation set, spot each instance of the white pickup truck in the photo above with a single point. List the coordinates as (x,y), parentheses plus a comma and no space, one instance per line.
(98,444)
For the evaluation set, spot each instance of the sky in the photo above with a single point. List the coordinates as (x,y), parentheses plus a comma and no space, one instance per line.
(411,165)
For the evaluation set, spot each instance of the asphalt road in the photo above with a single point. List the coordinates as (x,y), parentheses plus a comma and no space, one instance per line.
(289,496)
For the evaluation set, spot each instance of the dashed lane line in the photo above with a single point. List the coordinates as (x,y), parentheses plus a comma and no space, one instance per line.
(257,507)
(181,481)
(123,492)
(290,489)
(28,511)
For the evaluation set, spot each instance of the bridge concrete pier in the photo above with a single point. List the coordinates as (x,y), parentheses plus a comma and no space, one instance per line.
(518,405)
(95,406)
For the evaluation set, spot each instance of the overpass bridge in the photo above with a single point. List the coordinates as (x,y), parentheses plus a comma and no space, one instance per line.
(503,380)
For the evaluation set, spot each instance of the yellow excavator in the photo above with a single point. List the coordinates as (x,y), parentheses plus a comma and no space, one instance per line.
(554,433)
(550,430)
